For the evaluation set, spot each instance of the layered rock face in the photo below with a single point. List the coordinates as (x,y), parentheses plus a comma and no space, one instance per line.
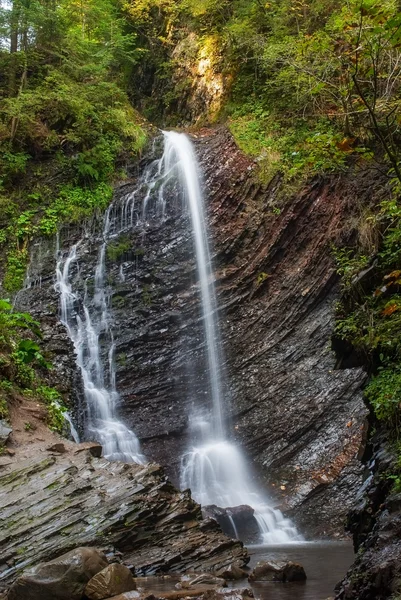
(375,522)
(300,421)
(51,504)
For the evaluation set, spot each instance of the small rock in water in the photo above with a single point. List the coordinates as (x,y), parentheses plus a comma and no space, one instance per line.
(229,594)
(207,579)
(134,595)
(284,571)
(232,572)
(113,580)
(63,578)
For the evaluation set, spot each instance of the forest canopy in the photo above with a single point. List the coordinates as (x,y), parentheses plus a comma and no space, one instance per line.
(306,86)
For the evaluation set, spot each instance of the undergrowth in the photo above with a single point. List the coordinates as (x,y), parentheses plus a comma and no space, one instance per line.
(369,320)
(23,366)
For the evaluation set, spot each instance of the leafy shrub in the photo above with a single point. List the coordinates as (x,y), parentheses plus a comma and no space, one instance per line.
(384,394)
(55,406)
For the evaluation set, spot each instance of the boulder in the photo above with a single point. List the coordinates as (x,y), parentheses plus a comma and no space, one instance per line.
(235,521)
(5,431)
(284,571)
(233,572)
(63,578)
(113,580)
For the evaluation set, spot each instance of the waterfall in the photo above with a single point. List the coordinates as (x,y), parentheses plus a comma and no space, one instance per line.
(214,469)
(86,321)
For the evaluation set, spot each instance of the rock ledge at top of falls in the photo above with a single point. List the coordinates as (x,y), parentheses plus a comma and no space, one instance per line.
(52,504)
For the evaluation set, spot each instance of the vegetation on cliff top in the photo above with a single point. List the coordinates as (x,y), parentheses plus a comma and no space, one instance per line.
(67,128)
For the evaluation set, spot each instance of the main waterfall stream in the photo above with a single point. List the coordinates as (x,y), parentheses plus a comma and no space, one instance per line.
(213,467)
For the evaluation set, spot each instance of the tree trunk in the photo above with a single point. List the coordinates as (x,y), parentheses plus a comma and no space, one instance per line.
(14,27)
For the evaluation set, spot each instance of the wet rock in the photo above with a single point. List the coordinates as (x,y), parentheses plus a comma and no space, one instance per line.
(63,578)
(113,580)
(5,431)
(201,593)
(276,286)
(375,522)
(231,594)
(93,448)
(207,579)
(284,571)
(232,573)
(235,521)
(78,500)
(131,596)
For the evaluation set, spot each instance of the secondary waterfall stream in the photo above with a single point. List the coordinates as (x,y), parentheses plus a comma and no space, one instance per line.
(213,468)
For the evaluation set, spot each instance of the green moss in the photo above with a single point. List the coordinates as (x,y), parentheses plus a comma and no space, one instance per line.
(16,265)
(117,248)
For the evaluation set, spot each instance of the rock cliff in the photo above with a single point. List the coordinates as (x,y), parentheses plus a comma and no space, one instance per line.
(301,421)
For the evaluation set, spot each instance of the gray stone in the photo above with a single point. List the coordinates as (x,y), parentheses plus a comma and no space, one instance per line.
(63,578)
(5,431)
(207,579)
(228,594)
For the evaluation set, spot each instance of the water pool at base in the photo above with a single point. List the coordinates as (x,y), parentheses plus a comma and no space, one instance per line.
(325,564)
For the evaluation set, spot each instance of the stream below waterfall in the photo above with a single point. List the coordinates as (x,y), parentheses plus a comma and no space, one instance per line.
(324,562)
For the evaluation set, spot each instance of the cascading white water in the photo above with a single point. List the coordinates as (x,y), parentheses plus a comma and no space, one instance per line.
(180,158)
(85,322)
(215,470)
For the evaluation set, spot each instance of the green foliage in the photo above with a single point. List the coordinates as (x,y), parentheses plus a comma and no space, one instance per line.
(22,364)
(117,248)
(370,319)
(55,406)
(349,263)
(18,352)
(17,261)
(66,123)
(261,278)
(384,394)
(4,412)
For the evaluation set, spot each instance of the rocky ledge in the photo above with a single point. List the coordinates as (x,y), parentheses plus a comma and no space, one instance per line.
(52,503)
(375,522)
